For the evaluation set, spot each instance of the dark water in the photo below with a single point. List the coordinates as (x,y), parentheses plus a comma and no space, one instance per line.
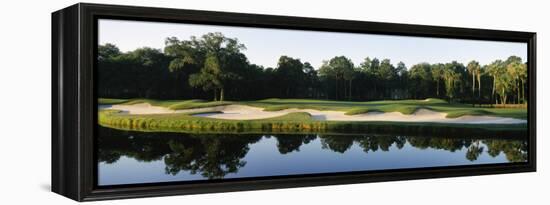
(141,157)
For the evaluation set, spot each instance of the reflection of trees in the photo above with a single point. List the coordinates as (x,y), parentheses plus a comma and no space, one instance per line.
(515,151)
(145,147)
(213,156)
(373,143)
(473,147)
(287,143)
(474,150)
(337,143)
(216,155)
(449,144)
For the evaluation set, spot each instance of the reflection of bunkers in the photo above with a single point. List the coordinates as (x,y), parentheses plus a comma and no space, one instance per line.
(245,112)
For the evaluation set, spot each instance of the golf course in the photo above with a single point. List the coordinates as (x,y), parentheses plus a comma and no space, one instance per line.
(207,84)
(302,115)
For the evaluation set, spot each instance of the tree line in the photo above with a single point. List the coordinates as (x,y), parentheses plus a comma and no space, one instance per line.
(214,67)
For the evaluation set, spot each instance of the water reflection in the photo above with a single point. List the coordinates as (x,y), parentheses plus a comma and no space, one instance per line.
(210,155)
(216,156)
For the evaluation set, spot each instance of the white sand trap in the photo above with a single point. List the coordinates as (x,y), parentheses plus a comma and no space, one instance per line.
(244,112)
(239,112)
(141,109)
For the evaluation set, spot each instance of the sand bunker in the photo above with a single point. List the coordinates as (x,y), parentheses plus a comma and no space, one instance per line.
(139,109)
(244,112)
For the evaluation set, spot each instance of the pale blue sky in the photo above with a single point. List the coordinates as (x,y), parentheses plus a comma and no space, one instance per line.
(265,46)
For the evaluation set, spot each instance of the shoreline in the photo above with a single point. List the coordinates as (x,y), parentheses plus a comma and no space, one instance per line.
(378,129)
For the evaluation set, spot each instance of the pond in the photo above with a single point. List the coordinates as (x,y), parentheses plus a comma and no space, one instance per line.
(131,157)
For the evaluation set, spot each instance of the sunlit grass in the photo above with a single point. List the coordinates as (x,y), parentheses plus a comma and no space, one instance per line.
(292,122)
(453,110)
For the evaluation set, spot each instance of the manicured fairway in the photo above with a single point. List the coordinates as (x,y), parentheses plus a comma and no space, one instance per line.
(302,121)
(351,108)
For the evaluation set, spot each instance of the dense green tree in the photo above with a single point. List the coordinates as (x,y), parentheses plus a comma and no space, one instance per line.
(119,72)
(312,83)
(216,55)
(474,69)
(522,74)
(350,73)
(420,82)
(290,75)
(336,68)
(187,59)
(388,75)
(208,77)
(453,75)
(402,81)
(495,70)
(437,75)
(516,69)
(107,51)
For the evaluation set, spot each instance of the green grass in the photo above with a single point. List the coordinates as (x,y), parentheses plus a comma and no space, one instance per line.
(458,113)
(110,101)
(190,104)
(298,122)
(291,121)
(403,106)
(274,104)
(360,110)
(170,104)
(349,107)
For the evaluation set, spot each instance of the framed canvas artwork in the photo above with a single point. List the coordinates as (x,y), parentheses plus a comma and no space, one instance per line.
(155,101)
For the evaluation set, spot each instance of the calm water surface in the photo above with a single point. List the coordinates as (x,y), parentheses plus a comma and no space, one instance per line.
(127,157)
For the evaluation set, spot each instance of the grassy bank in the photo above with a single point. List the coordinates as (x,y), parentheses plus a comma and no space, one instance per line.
(300,122)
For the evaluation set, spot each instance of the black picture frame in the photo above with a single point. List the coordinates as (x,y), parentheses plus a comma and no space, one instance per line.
(74,106)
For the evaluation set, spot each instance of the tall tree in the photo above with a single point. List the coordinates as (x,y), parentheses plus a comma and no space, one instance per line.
(387,74)
(290,75)
(369,76)
(478,73)
(336,68)
(518,72)
(473,69)
(522,72)
(218,56)
(311,80)
(207,78)
(227,50)
(437,74)
(402,75)
(451,77)
(495,69)
(187,58)
(513,69)
(420,80)
(350,73)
